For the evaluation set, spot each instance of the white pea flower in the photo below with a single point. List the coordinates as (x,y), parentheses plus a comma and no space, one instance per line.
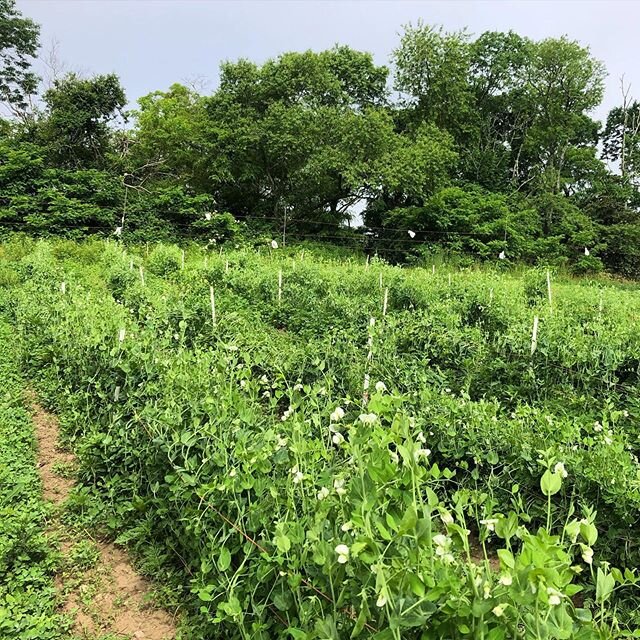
(607,440)
(381,386)
(506,579)
(338,438)
(338,485)
(490,523)
(420,437)
(287,413)
(232,473)
(555,597)
(264,379)
(421,453)
(559,469)
(282,574)
(443,543)
(368,418)
(412,234)
(298,477)
(266,394)
(446,517)
(347,526)
(343,553)
(625,413)
(498,610)
(395,458)
(323,493)
(207,216)
(502,255)
(587,554)
(297,387)
(381,601)
(282,442)
(337,414)
(243,384)
(274,244)
(597,426)
(486,590)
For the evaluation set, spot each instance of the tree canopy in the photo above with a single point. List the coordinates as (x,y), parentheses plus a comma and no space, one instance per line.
(482,143)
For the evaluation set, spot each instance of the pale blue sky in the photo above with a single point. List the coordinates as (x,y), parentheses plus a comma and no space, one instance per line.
(152,43)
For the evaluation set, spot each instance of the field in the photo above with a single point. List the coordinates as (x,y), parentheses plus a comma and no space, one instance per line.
(294,444)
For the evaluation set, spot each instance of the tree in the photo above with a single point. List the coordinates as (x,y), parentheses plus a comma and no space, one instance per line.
(563,85)
(75,129)
(18,45)
(621,136)
(169,139)
(432,70)
(303,132)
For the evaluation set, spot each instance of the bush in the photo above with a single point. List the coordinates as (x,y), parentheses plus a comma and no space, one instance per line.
(164,260)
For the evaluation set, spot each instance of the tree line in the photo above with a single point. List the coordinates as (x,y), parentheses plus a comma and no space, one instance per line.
(484,145)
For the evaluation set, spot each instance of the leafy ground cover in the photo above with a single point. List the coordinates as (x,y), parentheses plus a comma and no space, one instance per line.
(303,447)
(27,560)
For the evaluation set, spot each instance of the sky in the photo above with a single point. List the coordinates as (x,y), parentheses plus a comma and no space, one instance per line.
(151,44)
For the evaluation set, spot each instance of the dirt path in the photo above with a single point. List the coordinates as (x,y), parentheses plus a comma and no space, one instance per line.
(101,591)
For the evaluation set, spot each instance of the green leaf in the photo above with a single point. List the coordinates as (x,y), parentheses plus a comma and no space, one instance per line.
(604,586)
(589,532)
(506,558)
(417,586)
(382,530)
(409,521)
(224,559)
(550,483)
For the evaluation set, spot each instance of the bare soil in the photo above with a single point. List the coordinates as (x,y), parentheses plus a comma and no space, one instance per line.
(108,597)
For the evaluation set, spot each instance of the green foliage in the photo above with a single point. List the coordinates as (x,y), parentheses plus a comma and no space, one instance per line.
(489,147)
(28,607)
(457,499)
(164,261)
(18,46)
(75,129)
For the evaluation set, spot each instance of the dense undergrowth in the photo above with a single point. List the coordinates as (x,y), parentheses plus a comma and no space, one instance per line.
(27,560)
(474,490)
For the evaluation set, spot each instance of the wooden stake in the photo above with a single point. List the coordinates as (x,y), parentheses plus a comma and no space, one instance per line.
(226,267)
(182,263)
(381,280)
(549,291)
(63,287)
(385,301)
(141,275)
(279,286)
(212,296)
(366,266)
(433,269)
(121,334)
(534,335)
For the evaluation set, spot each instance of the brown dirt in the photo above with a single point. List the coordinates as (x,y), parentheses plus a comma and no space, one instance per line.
(109,597)
(477,554)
